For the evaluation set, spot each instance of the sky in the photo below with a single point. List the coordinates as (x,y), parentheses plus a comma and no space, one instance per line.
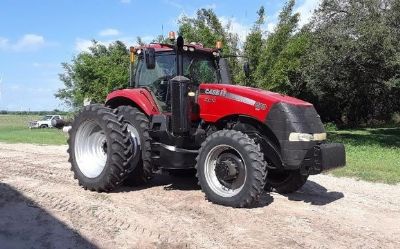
(37,36)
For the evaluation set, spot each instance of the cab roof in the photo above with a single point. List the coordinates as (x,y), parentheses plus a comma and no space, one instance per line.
(162,47)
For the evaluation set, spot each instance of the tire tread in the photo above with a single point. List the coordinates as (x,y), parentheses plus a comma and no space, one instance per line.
(257,162)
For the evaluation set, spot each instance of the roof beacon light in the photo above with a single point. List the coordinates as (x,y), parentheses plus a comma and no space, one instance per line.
(171,35)
(219,44)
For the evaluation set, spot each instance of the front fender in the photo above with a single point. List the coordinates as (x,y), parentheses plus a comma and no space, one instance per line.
(138,97)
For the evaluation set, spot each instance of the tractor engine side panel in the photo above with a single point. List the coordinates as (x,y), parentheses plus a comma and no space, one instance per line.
(217,101)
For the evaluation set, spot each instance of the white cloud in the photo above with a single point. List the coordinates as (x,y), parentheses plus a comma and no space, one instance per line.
(271,26)
(3,43)
(14,87)
(46,65)
(1,80)
(28,42)
(236,27)
(306,11)
(82,45)
(109,32)
(40,97)
(212,6)
(174,4)
(147,38)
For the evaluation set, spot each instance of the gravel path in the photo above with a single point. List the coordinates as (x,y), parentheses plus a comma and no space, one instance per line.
(42,206)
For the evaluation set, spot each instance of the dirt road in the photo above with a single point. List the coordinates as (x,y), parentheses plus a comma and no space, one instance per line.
(41,206)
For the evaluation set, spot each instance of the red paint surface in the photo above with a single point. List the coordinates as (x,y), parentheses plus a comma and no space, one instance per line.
(140,96)
(213,108)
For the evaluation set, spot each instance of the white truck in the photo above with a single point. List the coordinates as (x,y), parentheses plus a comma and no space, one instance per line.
(45,122)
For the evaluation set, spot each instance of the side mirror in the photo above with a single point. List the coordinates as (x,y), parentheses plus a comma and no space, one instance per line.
(246,69)
(224,71)
(150,58)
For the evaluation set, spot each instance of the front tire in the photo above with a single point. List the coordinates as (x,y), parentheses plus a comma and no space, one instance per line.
(231,169)
(99,148)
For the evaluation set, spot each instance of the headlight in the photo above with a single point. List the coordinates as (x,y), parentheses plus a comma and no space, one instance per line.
(306,137)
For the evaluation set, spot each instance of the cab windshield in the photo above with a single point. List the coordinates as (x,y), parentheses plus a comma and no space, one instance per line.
(197,67)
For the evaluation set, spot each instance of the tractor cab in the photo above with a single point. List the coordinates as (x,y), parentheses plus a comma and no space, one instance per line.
(154,74)
(156,65)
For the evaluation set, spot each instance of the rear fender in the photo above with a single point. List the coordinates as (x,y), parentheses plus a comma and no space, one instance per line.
(139,97)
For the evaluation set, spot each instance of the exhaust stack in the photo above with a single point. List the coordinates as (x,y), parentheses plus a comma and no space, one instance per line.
(180,105)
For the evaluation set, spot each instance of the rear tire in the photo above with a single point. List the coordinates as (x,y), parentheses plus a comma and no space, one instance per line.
(140,169)
(43,126)
(99,148)
(231,169)
(286,182)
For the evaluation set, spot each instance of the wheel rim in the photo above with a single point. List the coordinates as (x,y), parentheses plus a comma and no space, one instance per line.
(91,149)
(225,170)
(135,139)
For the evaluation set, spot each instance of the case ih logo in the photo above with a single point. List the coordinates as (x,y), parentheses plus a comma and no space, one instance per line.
(222,92)
(215,92)
(260,106)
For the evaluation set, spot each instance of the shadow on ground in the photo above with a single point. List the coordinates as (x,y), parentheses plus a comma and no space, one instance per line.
(23,224)
(311,192)
(170,182)
(315,194)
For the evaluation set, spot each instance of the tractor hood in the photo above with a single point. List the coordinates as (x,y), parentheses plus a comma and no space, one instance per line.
(263,96)
(219,100)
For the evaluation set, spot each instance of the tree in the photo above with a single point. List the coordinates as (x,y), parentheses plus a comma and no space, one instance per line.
(254,42)
(94,74)
(353,64)
(207,29)
(278,67)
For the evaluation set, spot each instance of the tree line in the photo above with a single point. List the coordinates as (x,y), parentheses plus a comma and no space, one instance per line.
(346,60)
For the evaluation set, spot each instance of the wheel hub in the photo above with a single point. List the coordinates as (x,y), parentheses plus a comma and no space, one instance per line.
(225,170)
(91,149)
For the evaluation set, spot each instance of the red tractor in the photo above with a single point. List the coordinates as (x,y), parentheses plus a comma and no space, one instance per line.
(182,112)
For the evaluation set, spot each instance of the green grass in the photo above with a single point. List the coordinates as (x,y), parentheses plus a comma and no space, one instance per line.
(14,129)
(373,154)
